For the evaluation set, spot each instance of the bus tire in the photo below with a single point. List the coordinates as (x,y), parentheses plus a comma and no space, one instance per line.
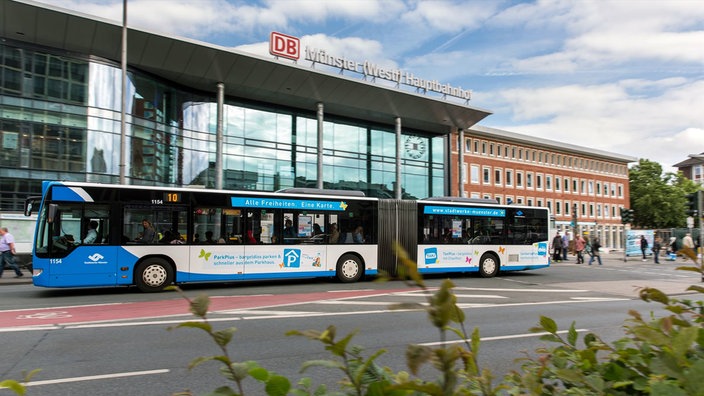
(153,275)
(488,265)
(349,268)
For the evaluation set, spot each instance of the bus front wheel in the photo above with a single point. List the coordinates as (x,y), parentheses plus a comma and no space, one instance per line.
(488,266)
(349,268)
(153,275)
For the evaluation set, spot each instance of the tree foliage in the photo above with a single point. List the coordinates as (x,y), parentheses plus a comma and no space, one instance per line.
(658,198)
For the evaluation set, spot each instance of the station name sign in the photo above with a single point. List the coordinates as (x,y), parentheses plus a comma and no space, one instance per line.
(285,46)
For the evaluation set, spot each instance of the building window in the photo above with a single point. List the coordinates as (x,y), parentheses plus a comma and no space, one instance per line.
(620,190)
(509,177)
(483,147)
(498,150)
(540,202)
(548,182)
(474,174)
(558,183)
(567,185)
(558,207)
(519,179)
(464,173)
(491,149)
(567,208)
(575,186)
(598,188)
(530,201)
(486,175)
(519,200)
(539,181)
(497,176)
(529,180)
(468,145)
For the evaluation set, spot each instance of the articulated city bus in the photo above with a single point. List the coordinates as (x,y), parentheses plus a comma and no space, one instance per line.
(93,235)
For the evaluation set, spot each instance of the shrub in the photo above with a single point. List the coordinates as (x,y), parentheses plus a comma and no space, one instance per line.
(657,356)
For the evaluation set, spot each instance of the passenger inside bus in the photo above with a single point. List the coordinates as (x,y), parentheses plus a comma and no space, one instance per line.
(92,233)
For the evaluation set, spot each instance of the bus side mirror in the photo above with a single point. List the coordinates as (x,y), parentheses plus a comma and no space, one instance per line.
(29,204)
(51,213)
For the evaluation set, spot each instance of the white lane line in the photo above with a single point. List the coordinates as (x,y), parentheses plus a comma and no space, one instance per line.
(95,377)
(495,338)
(523,290)
(458,295)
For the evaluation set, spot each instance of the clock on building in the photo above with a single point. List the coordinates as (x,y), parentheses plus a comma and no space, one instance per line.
(415,146)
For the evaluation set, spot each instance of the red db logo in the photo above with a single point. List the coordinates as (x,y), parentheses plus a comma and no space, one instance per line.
(284,46)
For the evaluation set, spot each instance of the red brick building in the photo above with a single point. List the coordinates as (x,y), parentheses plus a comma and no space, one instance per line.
(575,182)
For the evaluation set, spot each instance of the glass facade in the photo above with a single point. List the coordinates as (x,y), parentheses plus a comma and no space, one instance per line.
(60,120)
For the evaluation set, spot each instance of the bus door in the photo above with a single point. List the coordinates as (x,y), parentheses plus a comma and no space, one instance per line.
(73,248)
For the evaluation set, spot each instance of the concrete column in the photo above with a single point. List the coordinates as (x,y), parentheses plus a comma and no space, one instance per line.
(397,187)
(219,137)
(460,154)
(321,118)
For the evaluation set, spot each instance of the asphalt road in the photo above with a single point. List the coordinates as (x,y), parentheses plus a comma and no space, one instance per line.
(108,341)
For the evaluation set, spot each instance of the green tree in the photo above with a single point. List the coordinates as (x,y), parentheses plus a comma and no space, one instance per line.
(658,198)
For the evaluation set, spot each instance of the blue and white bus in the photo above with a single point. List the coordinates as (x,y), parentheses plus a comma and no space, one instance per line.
(151,237)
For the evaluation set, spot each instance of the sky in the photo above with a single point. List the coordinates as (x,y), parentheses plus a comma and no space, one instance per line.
(623,76)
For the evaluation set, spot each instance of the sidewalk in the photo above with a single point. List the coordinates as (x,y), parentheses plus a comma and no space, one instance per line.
(672,285)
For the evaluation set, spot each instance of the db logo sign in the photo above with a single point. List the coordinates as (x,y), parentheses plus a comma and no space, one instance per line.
(284,46)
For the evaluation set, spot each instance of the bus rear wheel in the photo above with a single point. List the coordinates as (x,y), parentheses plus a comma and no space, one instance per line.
(153,275)
(488,266)
(349,268)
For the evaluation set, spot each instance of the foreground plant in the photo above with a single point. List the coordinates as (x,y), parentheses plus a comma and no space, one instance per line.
(658,356)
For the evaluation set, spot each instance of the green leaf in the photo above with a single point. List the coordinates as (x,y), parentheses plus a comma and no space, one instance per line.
(277,386)
(416,356)
(13,386)
(322,363)
(223,391)
(572,335)
(223,337)
(196,325)
(199,305)
(548,324)
(259,373)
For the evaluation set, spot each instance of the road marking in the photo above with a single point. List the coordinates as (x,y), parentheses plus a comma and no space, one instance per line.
(95,377)
(458,295)
(46,315)
(496,338)
(523,290)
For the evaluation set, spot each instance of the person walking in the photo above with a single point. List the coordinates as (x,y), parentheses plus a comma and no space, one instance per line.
(596,245)
(579,245)
(643,246)
(7,252)
(565,245)
(557,247)
(657,244)
(687,242)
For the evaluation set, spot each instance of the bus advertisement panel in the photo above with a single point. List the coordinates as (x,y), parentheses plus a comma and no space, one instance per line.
(468,236)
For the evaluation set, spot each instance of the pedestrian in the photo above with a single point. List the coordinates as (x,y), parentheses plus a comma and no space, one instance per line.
(687,242)
(595,251)
(565,245)
(643,246)
(8,252)
(557,247)
(656,249)
(579,245)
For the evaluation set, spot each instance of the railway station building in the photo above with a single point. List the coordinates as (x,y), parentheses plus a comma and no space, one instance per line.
(201,115)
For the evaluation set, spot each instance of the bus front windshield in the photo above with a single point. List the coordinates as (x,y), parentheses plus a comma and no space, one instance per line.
(63,227)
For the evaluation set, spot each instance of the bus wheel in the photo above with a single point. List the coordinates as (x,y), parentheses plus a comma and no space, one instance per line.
(349,268)
(153,275)
(488,266)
